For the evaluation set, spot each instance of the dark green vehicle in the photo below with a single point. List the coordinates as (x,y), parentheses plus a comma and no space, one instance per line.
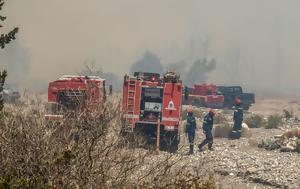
(232,92)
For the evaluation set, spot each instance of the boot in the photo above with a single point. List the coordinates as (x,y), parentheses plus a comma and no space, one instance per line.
(191,152)
(200,146)
(210,148)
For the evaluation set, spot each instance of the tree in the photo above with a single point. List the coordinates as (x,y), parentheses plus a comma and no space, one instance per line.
(4,40)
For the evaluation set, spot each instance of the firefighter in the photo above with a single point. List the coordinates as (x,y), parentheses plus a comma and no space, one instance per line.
(208,123)
(238,117)
(190,129)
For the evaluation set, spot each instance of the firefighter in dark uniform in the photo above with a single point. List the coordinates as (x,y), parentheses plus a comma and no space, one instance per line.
(190,129)
(238,117)
(208,123)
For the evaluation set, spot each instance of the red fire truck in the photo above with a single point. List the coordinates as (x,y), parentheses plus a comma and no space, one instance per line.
(203,95)
(151,105)
(74,93)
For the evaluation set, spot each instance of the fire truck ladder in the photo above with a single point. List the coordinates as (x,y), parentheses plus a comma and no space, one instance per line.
(129,121)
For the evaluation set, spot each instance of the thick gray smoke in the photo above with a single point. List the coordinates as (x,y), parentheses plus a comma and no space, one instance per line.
(195,72)
(255,42)
(199,70)
(16,60)
(179,67)
(148,63)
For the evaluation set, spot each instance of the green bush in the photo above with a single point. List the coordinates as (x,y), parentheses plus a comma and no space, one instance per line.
(274,121)
(255,121)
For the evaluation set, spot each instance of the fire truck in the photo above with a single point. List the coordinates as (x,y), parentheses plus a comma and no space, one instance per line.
(75,93)
(203,95)
(151,106)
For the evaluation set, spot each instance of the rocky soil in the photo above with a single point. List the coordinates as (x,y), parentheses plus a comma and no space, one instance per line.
(241,164)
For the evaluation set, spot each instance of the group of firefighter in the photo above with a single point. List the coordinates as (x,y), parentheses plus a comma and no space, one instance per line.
(207,126)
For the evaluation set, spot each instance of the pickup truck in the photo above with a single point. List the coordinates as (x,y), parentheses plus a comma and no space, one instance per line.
(232,92)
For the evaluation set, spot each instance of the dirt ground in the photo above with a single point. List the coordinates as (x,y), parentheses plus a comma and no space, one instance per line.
(267,107)
(241,164)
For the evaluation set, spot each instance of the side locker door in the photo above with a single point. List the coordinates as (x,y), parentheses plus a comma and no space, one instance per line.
(171,104)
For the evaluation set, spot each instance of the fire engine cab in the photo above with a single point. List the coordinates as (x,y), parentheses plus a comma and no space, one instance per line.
(74,93)
(151,105)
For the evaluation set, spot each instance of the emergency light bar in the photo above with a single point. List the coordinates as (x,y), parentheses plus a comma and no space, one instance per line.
(146,76)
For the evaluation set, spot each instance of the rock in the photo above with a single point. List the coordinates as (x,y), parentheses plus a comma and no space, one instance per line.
(246,132)
(251,170)
(287,149)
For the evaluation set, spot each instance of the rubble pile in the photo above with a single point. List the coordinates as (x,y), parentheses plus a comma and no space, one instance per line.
(287,142)
(291,123)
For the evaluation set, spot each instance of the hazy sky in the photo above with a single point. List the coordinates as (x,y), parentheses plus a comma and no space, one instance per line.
(256,43)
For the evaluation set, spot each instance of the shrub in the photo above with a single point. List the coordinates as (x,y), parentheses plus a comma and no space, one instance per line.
(198,113)
(273,122)
(219,119)
(288,114)
(85,151)
(3,75)
(222,130)
(255,121)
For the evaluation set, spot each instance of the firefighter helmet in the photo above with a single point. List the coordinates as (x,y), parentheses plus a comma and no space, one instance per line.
(237,101)
(212,112)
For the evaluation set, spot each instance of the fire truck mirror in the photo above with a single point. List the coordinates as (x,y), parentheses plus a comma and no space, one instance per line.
(110,89)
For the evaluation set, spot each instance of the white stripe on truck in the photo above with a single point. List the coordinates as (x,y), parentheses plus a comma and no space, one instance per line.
(131,116)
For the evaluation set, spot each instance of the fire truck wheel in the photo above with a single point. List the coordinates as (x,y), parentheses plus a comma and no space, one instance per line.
(170,142)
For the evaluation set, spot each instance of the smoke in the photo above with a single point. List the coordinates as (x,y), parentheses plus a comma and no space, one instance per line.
(148,63)
(16,60)
(194,72)
(179,67)
(199,71)
(90,69)
(255,42)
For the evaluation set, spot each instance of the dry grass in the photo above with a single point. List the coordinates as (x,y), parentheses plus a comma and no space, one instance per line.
(273,122)
(222,130)
(84,151)
(255,121)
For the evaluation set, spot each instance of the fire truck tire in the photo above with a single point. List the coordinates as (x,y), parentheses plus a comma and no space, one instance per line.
(170,142)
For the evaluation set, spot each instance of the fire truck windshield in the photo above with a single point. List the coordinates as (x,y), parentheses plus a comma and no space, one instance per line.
(152,93)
